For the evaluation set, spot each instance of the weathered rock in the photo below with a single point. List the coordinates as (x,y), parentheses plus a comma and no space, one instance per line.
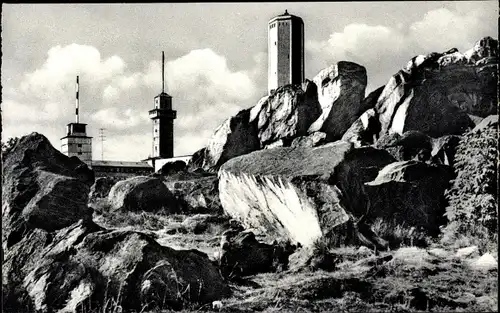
(257,190)
(86,265)
(42,188)
(289,193)
(100,189)
(408,146)
(341,89)
(444,149)
(365,130)
(236,136)
(142,193)
(485,263)
(195,192)
(200,223)
(312,140)
(172,168)
(409,193)
(435,94)
(490,121)
(358,167)
(482,51)
(196,160)
(284,115)
(467,252)
(243,255)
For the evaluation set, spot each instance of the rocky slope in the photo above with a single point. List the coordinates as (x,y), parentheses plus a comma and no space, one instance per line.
(436,94)
(56,259)
(317,198)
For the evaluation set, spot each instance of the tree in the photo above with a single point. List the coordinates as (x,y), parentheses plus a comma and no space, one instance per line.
(8,145)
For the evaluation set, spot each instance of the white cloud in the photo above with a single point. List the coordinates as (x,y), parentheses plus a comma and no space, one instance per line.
(62,66)
(189,143)
(380,48)
(442,29)
(14,111)
(110,94)
(123,147)
(119,119)
(201,70)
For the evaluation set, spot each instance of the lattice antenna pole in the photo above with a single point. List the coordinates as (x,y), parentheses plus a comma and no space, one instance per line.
(102,138)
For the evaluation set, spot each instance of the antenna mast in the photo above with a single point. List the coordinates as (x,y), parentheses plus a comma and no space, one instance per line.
(77,100)
(102,137)
(162,72)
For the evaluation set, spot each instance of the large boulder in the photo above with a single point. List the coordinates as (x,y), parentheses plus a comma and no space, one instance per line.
(42,188)
(236,136)
(287,113)
(289,193)
(142,193)
(341,89)
(435,94)
(101,188)
(84,266)
(242,255)
(195,192)
(409,193)
(283,115)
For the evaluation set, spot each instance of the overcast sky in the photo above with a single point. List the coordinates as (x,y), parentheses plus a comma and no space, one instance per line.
(216,59)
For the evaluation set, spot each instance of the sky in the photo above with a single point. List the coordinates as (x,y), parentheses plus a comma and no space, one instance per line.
(215,54)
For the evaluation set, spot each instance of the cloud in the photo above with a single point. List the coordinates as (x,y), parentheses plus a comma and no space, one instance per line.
(125,147)
(120,119)
(64,63)
(201,70)
(385,49)
(18,111)
(442,28)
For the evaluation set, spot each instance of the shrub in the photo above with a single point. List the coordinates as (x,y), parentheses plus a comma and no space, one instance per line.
(472,197)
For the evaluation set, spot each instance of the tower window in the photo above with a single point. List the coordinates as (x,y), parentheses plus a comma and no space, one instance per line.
(79,145)
(79,153)
(275,43)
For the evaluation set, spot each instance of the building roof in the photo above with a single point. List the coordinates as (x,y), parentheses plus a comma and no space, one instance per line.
(164,94)
(286,16)
(121,164)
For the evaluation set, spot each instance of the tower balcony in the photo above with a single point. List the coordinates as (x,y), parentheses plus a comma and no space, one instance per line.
(162,113)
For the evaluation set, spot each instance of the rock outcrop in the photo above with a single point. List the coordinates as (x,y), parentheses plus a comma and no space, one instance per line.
(42,188)
(291,193)
(287,113)
(258,190)
(282,116)
(142,193)
(435,94)
(100,189)
(84,266)
(312,140)
(409,193)
(242,255)
(236,136)
(341,89)
(195,192)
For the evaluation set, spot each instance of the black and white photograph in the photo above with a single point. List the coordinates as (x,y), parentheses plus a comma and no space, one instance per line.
(250,157)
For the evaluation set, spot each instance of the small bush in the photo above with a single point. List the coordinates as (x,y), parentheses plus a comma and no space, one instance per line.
(472,197)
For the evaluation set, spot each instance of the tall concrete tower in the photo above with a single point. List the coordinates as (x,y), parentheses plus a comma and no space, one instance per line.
(163,117)
(285,51)
(76,142)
